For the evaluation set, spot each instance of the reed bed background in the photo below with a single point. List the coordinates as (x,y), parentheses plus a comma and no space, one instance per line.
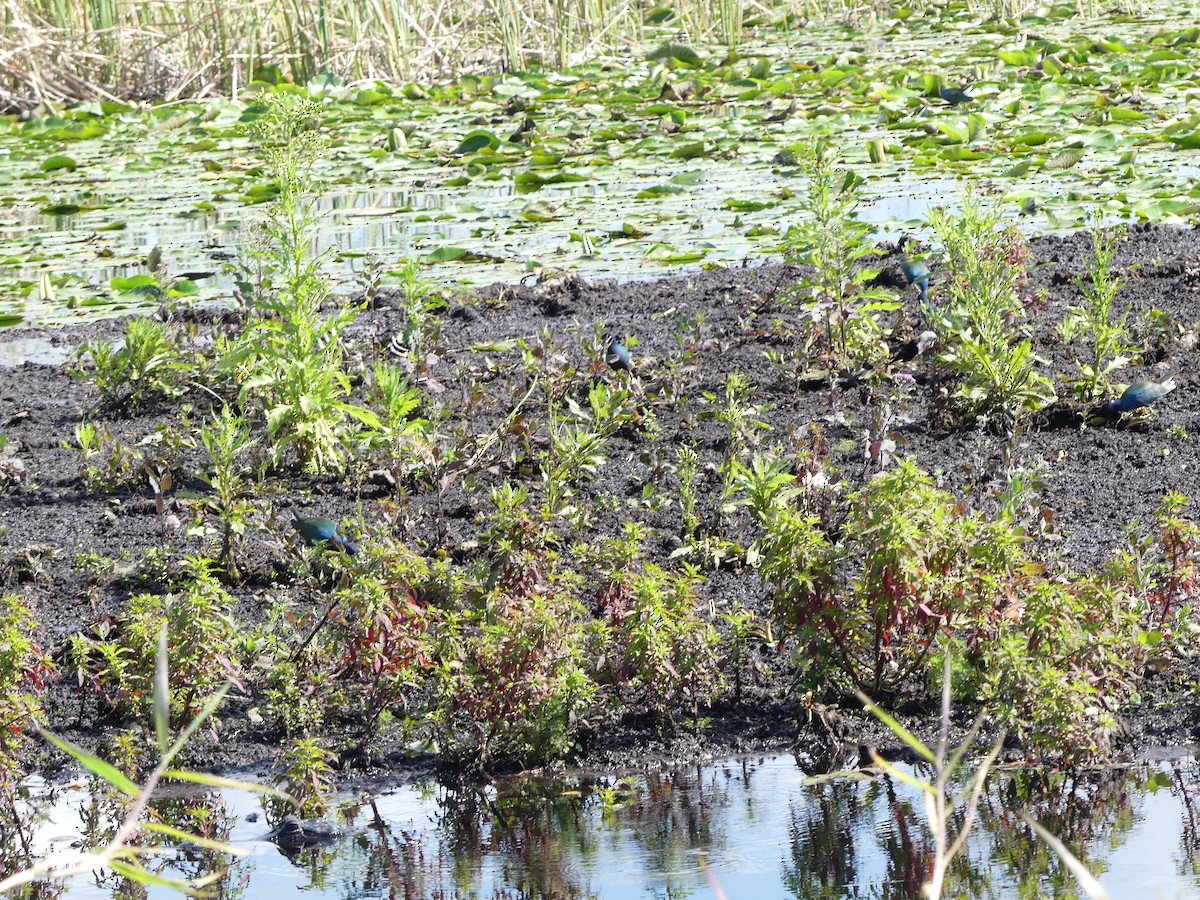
(54,51)
(64,51)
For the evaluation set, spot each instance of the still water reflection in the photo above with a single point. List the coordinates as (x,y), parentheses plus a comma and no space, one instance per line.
(752,826)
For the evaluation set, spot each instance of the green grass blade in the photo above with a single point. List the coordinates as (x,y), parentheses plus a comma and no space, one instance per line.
(162,693)
(896,728)
(95,764)
(186,838)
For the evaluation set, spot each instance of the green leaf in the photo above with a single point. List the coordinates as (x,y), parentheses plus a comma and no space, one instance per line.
(217,781)
(142,876)
(659,190)
(1189,140)
(476,141)
(369,97)
(1124,114)
(365,416)
(690,150)
(135,284)
(1031,139)
(896,728)
(975,127)
(746,205)
(186,838)
(446,254)
(680,53)
(964,154)
(1064,159)
(57,163)
(95,764)
(1025,57)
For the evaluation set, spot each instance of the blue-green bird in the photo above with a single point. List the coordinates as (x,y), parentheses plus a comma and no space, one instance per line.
(322,531)
(916,272)
(617,355)
(1139,394)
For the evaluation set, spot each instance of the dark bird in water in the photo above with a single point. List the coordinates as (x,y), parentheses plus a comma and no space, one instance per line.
(954,96)
(1139,394)
(293,833)
(917,272)
(910,350)
(322,531)
(617,355)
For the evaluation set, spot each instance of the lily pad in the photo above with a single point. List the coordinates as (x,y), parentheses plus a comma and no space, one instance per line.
(476,141)
(680,53)
(59,163)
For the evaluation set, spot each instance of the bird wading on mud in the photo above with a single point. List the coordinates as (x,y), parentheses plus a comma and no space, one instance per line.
(316,531)
(1139,394)
(917,272)
(617,355)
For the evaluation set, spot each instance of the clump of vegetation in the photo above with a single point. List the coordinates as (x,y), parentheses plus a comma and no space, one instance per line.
(25,673)
(514,675)
(659,641)
(1109,344)
(1166,574)
(201,648)
(227,439)
(146,366)
(306,776)
(907,566)
(999,383)
(1061,663)
(836,292)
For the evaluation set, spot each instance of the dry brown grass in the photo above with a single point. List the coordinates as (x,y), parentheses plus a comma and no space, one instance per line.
(63,51)
(59,51)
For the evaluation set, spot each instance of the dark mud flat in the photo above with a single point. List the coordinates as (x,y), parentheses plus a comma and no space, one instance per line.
(1096,479)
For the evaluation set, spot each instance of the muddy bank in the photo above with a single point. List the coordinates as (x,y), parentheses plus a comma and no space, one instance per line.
(70,549)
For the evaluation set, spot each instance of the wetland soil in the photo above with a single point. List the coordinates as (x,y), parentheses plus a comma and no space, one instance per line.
(1096,479)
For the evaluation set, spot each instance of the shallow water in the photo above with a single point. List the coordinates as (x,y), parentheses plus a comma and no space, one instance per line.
(183,179)
(754,826)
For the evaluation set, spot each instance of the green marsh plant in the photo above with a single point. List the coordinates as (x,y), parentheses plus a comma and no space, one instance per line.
(290,360)
(307,777)
(227,439)
(422,327)
(123,853)
(866,602)
(1060,668)
(404,440)
(836,294)
(373,648)
(707,540)
(146,366)
(515,664)
(999,382)
(1095,322)
(661,642)
(201,646)
(25,674)
(105,463)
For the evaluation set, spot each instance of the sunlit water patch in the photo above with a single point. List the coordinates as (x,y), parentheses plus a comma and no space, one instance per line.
(756,827)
